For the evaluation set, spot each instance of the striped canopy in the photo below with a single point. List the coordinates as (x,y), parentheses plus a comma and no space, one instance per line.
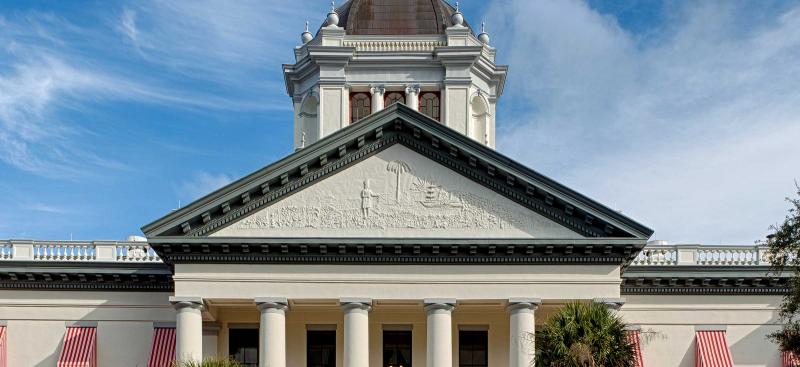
(712,349)
(3,347)
(790,359)
(162,354)
(634,337)
(80,348)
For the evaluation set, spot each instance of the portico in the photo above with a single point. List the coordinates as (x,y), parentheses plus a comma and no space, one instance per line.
(433,326)
(431,306)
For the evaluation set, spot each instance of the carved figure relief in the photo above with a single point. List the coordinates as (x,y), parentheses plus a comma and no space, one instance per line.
(396,192)
(404,201)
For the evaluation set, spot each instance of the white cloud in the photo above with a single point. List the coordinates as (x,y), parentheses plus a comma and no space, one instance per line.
(128,25)
(201,184)
(49,66)
(694,132)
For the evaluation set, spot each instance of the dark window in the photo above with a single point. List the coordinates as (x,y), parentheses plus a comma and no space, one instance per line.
(473,348)
(321,348)
(243,346)
(394,97)
(429,105)
(360,106)
(396,348)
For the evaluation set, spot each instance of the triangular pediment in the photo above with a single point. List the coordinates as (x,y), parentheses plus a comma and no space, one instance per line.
(396,193)
(423,180)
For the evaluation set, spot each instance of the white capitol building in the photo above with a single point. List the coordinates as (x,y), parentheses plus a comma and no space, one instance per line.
(394,236)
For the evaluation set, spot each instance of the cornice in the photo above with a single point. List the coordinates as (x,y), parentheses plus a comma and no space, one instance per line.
(144,277)
(704,280)
(395,250)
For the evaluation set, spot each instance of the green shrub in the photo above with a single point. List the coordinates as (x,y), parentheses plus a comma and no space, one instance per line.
(583,335)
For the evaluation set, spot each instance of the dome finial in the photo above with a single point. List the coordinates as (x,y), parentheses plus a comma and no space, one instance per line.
(306,36)
(333,18)
(483,37)
(458,18)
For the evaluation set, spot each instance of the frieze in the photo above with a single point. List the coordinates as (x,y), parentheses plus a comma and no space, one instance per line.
(401,192)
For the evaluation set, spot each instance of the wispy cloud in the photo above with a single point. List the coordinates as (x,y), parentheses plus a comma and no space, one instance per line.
(196,56)
(45,208)
(693,132)
(202,183)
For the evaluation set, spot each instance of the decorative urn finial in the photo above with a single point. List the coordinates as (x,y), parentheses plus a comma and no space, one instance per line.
(483,37)
(333,17)
(306,36)
(458,18)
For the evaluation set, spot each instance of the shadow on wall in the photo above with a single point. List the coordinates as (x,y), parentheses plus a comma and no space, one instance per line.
(52,359)
(124,326)
(750,350)
(688,357)
(653,335)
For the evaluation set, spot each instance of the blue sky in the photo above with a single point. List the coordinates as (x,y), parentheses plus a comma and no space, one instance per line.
(685,115)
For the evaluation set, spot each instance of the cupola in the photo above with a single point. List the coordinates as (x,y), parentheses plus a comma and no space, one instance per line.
(368,54)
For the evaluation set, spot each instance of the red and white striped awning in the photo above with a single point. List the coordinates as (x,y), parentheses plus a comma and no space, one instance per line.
(163,352)
(712,349)
(634,337)
(80,348)
(790,359)
(3,347)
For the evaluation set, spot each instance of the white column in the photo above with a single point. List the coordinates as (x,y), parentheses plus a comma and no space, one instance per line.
(612,303)
(377,97)
(188,328)
(272,331)
(440,332)
(356,331)
(412,98)
(522,326)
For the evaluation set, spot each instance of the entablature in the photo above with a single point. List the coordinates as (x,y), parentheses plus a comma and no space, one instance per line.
(608,251)
(704,280)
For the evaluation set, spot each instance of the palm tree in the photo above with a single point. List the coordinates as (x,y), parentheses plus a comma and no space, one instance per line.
(584,335)
(209,362)
(398,168)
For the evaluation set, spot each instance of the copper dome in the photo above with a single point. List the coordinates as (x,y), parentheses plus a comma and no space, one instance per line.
(395,17)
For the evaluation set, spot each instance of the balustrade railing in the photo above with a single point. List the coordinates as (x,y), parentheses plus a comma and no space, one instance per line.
(76,251)
(666,255)
(125,251)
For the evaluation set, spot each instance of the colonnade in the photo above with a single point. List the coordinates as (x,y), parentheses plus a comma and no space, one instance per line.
(272,335)
(411,96)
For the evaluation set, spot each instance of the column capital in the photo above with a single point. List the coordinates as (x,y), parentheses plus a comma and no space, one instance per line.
(186,302)
(519,303)
(349,303)
(412,89)
(612,303)
(377,89)
(264,303)
(447,304)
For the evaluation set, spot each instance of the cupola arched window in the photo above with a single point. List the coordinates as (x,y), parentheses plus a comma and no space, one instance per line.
(360,106)
(394,97)
(429,105)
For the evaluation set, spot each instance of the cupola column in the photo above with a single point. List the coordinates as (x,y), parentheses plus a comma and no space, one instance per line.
(356,331)
(522,326)
(412,96)
(440,332)
(188,328)
(272,331)
(377,97)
